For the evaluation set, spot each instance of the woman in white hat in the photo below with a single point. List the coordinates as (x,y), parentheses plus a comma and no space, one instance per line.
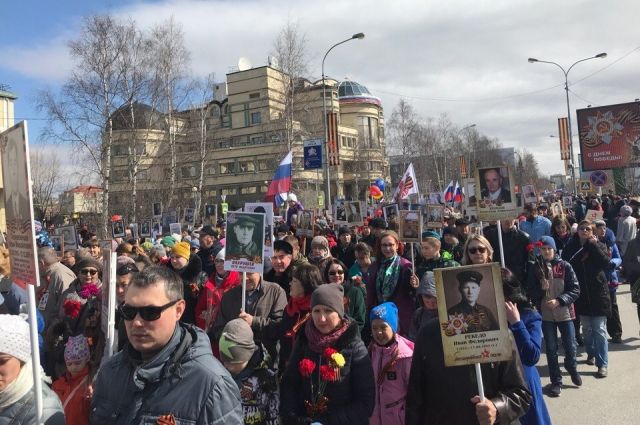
(17,404)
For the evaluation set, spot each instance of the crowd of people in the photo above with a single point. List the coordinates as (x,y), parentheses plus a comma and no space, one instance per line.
(341,328)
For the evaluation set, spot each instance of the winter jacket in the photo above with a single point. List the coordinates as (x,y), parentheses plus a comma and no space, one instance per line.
(631,260)
(284,279)
(589,261)
(72,391)
(350,399)
(258,385)
(403,296)
(58,277)
(561,241)
(210,297)
(443,261)
(626,232)
(563,287)
(267,313)
(391,367)
(287,331)
(190,275)
(346,254)
(23,412)
(14,296)
(528,335)
(540,226)
(439,395)
(207,256)
(354,303)
(183,380)
(515,244)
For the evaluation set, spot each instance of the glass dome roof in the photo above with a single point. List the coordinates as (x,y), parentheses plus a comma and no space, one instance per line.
(350,90)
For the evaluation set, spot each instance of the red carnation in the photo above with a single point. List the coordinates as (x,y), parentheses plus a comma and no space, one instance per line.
(530,247)
(306,367)
(72,308)
(538,244)
(327,373)
(328,352)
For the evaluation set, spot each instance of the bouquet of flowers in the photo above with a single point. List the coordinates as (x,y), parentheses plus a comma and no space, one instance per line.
(328,372)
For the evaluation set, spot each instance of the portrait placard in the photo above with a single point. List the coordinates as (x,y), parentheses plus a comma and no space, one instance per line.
(593,215)
(410,226)
(434,197)
(557,210)
(145,228)
(567,201)
(267,209)
(105,244)
(497,199)
(175,228)
(189,216)
(390,212)
(117,229)
(529,194)
(472,315)
(353,213)
(58,244)
(69,236)
(435,216)
(211,213)
(306,218)
(340,212)
(157,209)
(245,242)
(167,218)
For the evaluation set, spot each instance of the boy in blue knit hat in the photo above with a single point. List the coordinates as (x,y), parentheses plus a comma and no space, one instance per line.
(391,356)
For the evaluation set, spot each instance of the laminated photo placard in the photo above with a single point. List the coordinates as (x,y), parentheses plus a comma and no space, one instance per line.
(306,218)
(497,199)
(145,228)
(117,229)
(340,212)
(473,322)
(529,194)
(390,212)
(245,242)
(69,235)
(353,213)
(264,208)
(410,226)
(435,216)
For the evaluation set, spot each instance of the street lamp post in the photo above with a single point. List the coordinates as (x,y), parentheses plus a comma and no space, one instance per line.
(566,89)
(358,36)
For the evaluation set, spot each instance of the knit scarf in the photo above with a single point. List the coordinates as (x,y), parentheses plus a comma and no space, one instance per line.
(319,341)
(18,388)
(387,278)
(298,304)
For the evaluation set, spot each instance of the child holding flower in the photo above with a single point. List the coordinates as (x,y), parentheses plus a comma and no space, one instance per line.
(391,356)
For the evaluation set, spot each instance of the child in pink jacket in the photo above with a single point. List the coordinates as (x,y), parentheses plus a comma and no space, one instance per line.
(391,359)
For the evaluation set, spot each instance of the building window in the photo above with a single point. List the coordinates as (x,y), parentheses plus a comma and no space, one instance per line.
(248,190)
(264,189)
(247,166)
(188,172)
(209,193)
(227,167)
(256,118)
(228,191)
(215,111)
(142,175)
(223,144)
(343,140)
(263,165)
(257,140)
(254,96)
(211,170)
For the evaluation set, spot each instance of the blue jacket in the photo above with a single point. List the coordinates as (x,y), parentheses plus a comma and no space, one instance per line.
(183,380)
(540,226)
(528,335)
(615,259)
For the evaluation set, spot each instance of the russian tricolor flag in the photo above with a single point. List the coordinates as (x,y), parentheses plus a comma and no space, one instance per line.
(457,194)
(281,182)
(448,193)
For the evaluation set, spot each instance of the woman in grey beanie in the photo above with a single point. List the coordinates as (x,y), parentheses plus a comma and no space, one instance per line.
(17,404)
(349,395)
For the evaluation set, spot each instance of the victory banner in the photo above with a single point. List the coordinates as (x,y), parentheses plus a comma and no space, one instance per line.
(472,315)
(609,136)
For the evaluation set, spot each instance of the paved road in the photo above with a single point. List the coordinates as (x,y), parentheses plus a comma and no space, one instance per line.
(613,400)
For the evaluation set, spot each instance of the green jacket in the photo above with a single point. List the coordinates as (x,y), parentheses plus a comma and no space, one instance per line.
(445,260)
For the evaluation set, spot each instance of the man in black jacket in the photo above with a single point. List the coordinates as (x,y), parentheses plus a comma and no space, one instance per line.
(440,395)
(515,244)
(210,246)
(345,249)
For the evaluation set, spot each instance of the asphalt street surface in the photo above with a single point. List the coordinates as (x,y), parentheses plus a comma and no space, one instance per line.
(611,400)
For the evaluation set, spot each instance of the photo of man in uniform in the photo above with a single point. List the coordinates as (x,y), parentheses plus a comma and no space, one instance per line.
(145,228)
(491,182)
(243,241)
(478,317)
(353,213)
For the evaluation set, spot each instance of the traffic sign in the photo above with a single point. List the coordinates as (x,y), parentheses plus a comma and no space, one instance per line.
(598,178)
(585,186)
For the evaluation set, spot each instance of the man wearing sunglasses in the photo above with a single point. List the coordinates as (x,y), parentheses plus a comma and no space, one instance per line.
(167,369)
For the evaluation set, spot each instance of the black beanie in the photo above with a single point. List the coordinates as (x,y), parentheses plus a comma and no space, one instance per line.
(330,295)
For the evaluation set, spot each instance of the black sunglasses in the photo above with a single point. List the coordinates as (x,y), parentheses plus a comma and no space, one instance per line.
(333,273)
(147,313)
(480,249)
(92,272)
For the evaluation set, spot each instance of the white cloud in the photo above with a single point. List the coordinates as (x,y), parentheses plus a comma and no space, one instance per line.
(473,52)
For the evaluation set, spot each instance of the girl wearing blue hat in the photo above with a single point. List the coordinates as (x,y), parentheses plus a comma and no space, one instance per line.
(391,356)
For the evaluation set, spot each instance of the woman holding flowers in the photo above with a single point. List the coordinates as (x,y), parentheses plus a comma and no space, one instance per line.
(329,378)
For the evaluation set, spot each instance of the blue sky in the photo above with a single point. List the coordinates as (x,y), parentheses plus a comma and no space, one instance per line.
(463,58)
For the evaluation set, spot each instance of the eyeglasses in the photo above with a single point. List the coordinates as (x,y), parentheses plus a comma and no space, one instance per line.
(91,272)
(585,228)
(476,249)
(148,313)
(336,272)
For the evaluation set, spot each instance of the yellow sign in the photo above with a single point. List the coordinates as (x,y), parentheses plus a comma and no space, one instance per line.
(585,186)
